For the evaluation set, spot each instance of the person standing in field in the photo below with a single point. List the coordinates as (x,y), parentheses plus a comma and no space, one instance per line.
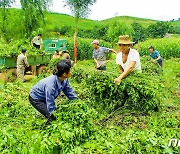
(154,54)
(21,64)
(99,55)
(128,59)
(65,54)
(56,55)
(42,95)
(37,41)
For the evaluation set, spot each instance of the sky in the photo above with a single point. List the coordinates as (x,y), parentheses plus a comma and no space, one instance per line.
(163,10)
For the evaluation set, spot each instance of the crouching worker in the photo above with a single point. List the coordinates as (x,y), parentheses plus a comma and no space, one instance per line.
(44,93)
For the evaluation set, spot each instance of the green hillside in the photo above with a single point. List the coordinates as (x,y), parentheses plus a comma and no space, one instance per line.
(59,20)
(56,19)
(175,23)
(129,20)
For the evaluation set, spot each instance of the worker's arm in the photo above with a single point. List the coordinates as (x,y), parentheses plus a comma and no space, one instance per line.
(49,94)
(126,72)
(68,91)
(159,57)
(121,70)
(112,50)
(97,64)
(26,62)
(41,46)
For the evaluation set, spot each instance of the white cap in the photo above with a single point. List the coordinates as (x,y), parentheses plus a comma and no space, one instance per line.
(95,42)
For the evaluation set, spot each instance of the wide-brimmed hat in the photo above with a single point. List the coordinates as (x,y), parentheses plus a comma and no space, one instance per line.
(95,42)
(125,39)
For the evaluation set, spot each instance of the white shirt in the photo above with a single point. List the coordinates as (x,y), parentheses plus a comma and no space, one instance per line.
(36,41)
(132,56)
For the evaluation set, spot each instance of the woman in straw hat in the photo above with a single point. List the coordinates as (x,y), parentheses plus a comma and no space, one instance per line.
(128,59)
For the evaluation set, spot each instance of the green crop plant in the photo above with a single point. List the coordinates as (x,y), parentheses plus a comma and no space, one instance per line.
(167,47)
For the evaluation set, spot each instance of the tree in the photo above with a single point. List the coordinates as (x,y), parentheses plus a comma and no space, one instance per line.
(139,33)
(5,4)
(33,12)
(116,29)
(79,8)
(159,29)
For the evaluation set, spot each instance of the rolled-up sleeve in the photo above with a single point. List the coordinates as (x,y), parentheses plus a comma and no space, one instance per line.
(106,49)
(50,99)
(68,91)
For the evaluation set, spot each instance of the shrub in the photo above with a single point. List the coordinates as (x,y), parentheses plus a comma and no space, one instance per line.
(167,47)
(138,91)
(85,49)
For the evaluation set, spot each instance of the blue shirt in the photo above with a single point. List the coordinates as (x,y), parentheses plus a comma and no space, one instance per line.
(155,55)
(100,54)
(49,88)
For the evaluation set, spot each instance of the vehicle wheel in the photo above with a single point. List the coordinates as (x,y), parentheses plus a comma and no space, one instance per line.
(10,75)
(42,70)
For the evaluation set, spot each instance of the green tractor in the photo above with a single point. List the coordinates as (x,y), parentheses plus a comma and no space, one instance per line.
(37,64)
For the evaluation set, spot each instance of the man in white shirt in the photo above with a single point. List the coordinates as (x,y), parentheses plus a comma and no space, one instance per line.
(37,41)
(128,59)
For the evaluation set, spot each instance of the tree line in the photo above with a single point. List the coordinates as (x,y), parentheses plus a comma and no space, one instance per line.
(31,18)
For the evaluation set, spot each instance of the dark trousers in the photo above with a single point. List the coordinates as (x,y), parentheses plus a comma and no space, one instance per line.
(36,46)
(40,106)
(160,63)
(102,68)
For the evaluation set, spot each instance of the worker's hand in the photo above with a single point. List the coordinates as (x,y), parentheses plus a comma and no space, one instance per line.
(117,81)
(113,51)
(97,65)
(153,60)
(120,71)
(52,117)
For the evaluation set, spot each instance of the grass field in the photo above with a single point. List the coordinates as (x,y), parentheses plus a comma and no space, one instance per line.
(82,128)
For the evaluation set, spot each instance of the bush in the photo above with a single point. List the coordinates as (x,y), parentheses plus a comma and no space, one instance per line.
(138,91)
(13,49)
(167,47)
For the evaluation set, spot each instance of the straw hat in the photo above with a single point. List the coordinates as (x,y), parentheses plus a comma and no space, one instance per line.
(124,39)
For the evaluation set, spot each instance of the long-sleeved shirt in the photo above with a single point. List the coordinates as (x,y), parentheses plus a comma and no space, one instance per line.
(49,88)
(21,61)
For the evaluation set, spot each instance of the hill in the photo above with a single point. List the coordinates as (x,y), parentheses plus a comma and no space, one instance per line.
(58,20)
(129,20)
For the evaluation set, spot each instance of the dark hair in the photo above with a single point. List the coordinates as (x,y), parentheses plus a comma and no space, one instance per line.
(23,50)
(62,66)
(57,52)
(151,47)
(65,51)
(39,34)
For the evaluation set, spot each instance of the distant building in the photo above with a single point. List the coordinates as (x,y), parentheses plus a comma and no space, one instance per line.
(167,35)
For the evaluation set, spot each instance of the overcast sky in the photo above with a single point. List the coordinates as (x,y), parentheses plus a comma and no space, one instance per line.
(152,9)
